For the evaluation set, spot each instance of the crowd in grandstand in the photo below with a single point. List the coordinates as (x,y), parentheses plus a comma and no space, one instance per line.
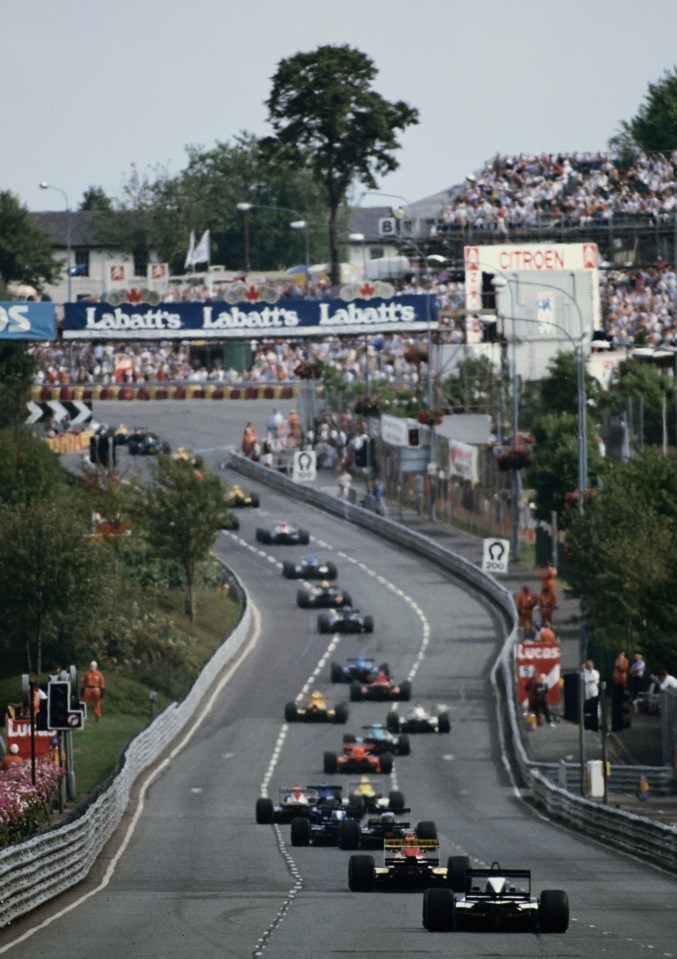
(579,189)
(638,305)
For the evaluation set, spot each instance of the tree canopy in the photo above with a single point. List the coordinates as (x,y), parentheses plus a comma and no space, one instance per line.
(158,211)
(17,369)
(26,254)
(325,115)
(654,126)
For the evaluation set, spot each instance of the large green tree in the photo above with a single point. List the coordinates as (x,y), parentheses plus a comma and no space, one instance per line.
(51,586)
(641,390)
(325,115)
(26,252)
(17,369)
(29,470)
(654,126)
(623,557)
(182,511)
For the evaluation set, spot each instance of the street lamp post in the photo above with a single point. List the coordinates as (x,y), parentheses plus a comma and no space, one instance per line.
(48,186)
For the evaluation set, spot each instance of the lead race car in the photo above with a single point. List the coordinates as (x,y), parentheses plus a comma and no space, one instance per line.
(283,534)
(323,596)
(309,568)
(345,620)
(494,899)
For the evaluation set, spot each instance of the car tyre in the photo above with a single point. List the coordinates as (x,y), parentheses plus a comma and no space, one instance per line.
(457,867)
(300,831)
(291,713)
(304,537)
(443,723)
(254,501)
(393,722)
(403,745)
(346,600)
(439,910)
(426,829)
(264,811)
(336,673)
(341,713)
(289,570)
(302,599)
(553,911)
(396,801)
(368,624)
(355,691)
(323,624)
(361,873)
(405,691)
(386,763)
(331,571)
(330,763)
(263,536)
(349,835)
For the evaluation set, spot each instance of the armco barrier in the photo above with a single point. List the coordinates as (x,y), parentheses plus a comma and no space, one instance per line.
(643,836)
(35,871)
(164,391)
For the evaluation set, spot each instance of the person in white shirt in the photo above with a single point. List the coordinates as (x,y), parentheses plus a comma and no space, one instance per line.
(666,681)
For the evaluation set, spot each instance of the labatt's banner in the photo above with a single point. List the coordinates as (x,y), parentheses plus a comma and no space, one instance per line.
(220,320)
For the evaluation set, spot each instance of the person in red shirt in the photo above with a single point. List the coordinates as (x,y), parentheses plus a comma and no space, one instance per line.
(93,686)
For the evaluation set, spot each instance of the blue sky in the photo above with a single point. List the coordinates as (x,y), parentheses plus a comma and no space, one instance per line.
(89,90)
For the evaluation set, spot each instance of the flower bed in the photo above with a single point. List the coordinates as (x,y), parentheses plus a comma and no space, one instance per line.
(23,806)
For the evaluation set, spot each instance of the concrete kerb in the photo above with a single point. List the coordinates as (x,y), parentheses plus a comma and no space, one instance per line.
(638,833)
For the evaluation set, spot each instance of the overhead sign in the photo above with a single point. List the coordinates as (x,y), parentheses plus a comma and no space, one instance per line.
(398,431)
(495,556)
(27,321)
(305,466)
(246,320)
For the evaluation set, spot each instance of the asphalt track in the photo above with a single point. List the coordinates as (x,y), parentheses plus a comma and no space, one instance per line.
(198,877)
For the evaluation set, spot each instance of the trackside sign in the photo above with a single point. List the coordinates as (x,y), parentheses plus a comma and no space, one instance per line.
(221,320)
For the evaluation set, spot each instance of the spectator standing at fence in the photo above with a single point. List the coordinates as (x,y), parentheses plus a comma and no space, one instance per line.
(590,686)
(93,688)
(540,700)
(636,676)
(666,681)
(526,601)
(619,672)
(344,482)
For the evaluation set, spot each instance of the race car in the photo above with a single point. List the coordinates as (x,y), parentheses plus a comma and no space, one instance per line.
(295,801)
(146,443)
(284,534)
(373,833)
(357,667)
(377,739)
(238,498)
(381,686)
(327,825)
(358,759)
(419,720)
(408,863)
(309,568)
(363,794)
(496,898)
(323,596)
(315,709)
(345,620)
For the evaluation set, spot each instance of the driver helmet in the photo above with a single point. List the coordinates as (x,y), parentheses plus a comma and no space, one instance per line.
(338,815)
(311,560)
(297,794)
(325,584)
(410,835)
(283,524)
(316,696)
(387,817)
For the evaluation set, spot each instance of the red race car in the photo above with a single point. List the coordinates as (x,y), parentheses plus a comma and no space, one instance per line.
(356,758)
(382,686)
